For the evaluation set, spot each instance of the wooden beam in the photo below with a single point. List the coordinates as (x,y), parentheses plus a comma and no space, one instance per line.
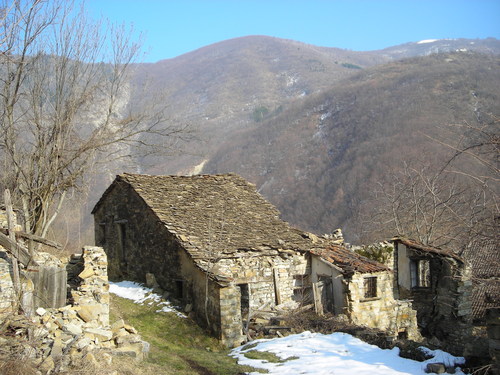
(318,305)
(34,238)
(18,251)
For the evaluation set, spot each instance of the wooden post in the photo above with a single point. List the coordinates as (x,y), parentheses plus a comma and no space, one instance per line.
(11,226)
(318,305)
(277,292)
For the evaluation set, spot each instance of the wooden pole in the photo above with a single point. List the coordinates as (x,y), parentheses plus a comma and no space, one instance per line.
(11,224)
(277,292)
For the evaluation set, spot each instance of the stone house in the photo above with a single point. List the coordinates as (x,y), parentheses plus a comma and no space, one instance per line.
(214,243)
(362,289)
(438,282)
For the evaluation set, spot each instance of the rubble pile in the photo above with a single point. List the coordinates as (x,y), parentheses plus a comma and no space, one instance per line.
(54,339)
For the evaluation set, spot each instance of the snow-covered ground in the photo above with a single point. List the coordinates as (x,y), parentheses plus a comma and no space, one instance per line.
(142,295)
(307,352)
(336,354)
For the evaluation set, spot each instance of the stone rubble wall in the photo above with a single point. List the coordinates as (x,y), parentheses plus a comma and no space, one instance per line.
(65,335)
(266,275)
(382,312)
(6,285)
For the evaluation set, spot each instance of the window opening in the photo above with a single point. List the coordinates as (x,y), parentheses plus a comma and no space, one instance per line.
(179,289)
(370,286)
(420,273)
(122,238)
(244,299)
(302,290)
(403,335)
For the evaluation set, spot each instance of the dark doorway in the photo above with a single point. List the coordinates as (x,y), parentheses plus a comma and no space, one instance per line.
(244,299)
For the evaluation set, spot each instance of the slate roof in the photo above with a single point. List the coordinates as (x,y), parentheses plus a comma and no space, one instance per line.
(484,258)
(426,248)
(220,216)
(349,261)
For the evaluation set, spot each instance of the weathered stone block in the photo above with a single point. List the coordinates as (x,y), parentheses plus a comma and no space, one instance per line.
(435,368)
(86,273)
(72,329)
(101,334)
(90,312)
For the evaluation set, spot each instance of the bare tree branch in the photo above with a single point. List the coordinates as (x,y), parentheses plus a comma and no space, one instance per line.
(65,104)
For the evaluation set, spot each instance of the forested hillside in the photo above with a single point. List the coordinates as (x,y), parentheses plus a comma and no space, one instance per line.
(320,160)
(316,129)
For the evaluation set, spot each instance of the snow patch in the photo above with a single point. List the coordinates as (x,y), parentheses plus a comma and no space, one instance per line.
(197,168)
(324,116)
(142,295)
(336,353)
(427,41)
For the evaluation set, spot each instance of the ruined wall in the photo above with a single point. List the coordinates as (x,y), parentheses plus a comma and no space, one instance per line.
(444,307)
(270,279)
(383,311)
(320,268)
(125,227)
(64,335)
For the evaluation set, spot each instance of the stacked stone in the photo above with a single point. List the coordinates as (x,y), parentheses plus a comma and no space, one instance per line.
(67,335)
(6,286)
(91,296)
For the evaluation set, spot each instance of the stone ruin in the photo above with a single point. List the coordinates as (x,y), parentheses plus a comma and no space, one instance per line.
(56,338)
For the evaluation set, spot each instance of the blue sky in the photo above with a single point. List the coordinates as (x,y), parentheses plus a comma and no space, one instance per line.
(174,27)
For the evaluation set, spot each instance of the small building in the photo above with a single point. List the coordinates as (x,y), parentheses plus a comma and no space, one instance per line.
(211,241)
(438,282)
(214,243)
(362,289)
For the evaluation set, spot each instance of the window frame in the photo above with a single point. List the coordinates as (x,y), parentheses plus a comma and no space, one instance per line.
(370,288)
(419,280)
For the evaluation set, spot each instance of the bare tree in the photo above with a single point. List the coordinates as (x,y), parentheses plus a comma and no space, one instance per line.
(479,147)
(453,202)
(64,103)
(430,206)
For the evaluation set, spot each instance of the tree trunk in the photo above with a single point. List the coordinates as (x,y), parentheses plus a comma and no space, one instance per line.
(11,227)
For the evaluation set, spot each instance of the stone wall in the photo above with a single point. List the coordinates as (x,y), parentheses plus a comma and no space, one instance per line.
(271,279)
(383,311)
(444,306)
(268,280)
(6,285)
(65,335)
(125,227)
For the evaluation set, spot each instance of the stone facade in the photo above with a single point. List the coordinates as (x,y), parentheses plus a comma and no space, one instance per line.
(199,234)
(439,284)
(362,289)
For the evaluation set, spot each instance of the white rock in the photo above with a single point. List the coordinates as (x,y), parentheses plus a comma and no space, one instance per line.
(41,311)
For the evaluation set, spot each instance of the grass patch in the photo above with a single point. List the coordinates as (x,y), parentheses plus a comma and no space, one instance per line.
(267,356)
(178,345)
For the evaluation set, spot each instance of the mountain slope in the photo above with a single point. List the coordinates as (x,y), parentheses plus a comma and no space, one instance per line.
(235,84)
(319,160)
